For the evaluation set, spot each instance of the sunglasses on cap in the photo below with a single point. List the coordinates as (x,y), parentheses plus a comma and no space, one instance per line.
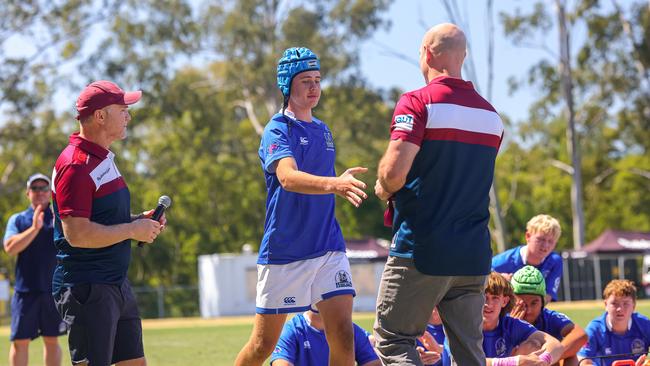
(39,188)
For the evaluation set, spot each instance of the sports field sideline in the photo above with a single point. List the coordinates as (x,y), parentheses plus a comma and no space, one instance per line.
(215,342)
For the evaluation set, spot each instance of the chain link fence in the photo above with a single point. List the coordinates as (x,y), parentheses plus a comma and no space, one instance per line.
(154,302)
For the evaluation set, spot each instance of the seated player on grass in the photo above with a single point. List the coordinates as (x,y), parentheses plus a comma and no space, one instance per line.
(530,292)
(619,330)
(303,343)
(430,344)
(508,341)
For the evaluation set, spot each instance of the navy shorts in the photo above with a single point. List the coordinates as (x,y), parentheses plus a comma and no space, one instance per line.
(33,314)
(105,326)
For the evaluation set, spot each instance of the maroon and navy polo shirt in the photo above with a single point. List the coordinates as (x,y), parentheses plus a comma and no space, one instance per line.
(86,183)
(441,214)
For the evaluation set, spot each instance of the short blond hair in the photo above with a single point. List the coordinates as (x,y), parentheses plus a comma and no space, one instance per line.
(544,224)
(620,288)
(498,285)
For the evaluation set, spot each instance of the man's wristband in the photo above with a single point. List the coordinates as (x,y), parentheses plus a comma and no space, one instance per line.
(506,361)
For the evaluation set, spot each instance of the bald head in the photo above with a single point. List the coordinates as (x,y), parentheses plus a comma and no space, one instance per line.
(443,48)
(445,38)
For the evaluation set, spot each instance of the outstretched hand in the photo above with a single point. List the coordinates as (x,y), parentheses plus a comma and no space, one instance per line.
(429,342)
(351,188)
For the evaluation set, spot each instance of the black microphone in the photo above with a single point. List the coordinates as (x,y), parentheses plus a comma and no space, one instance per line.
(163,203)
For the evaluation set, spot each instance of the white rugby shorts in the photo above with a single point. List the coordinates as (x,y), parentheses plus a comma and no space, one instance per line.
(297,286)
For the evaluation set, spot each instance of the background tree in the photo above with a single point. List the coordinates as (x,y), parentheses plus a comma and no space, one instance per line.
(208,74)
(610,98)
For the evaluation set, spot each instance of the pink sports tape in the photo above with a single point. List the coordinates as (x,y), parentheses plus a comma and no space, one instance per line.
(507,361)
(546,357)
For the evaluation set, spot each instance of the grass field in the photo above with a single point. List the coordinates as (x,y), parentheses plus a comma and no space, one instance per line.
(215,342)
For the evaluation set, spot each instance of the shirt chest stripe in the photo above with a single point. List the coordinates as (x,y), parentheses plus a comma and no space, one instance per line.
(458,117)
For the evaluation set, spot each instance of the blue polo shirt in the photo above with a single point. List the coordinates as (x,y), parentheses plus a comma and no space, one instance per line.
(304,345)
(35,264)
(511,261)
(298,226)
(441,213)
(552,322)
(500,341)
(604,342)
(88,184)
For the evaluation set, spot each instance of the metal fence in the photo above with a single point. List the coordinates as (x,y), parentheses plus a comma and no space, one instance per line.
(585,277)
(153,302)
(167,302)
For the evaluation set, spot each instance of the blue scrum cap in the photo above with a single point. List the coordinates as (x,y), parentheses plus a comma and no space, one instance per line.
(294,61)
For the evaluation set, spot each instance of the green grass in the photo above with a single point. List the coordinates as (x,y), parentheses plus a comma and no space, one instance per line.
(216,342)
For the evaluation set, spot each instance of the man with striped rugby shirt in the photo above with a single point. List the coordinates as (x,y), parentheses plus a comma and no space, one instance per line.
(93,229)
(437,173)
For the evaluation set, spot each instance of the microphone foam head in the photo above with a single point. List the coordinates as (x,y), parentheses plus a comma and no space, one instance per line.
(165,201)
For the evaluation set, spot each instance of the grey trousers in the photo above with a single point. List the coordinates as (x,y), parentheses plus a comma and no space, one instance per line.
(404,304)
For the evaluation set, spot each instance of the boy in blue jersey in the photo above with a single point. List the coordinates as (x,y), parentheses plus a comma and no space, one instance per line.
(302,262)
(530,291)
(619,330)
(542,234)
(30,237)
(303,343)
(508,341)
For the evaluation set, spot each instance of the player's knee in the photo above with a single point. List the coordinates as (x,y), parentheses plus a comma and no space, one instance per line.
(51,341)
(263,346)
(341,334)
(21,344)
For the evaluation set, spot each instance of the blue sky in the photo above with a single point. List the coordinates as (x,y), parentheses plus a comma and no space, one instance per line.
(411,18)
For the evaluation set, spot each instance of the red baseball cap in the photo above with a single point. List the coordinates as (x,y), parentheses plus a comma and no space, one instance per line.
(102,93)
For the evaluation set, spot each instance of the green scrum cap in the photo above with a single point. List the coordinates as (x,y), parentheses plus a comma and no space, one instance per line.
(529,280)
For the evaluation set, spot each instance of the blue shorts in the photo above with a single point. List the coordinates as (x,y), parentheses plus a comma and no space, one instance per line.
(105,326)
(33,314)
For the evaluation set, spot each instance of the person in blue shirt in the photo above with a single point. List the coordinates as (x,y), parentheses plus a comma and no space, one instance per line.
(29,236)
(508,341)
(619,330)
(542,234)
(430,344)
(303,343)
(302,263)
(530,291)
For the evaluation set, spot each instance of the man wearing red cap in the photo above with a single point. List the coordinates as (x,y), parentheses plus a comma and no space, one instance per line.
(93,231)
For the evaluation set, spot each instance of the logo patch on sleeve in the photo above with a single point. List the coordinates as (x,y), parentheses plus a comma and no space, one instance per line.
(404,122)
(273,147)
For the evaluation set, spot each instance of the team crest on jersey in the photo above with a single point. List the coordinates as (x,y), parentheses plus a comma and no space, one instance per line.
(306,345)
(343,279)
(274,146)
(80,156)
(404,122)
(329,141)
(638,346)
(500,347)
